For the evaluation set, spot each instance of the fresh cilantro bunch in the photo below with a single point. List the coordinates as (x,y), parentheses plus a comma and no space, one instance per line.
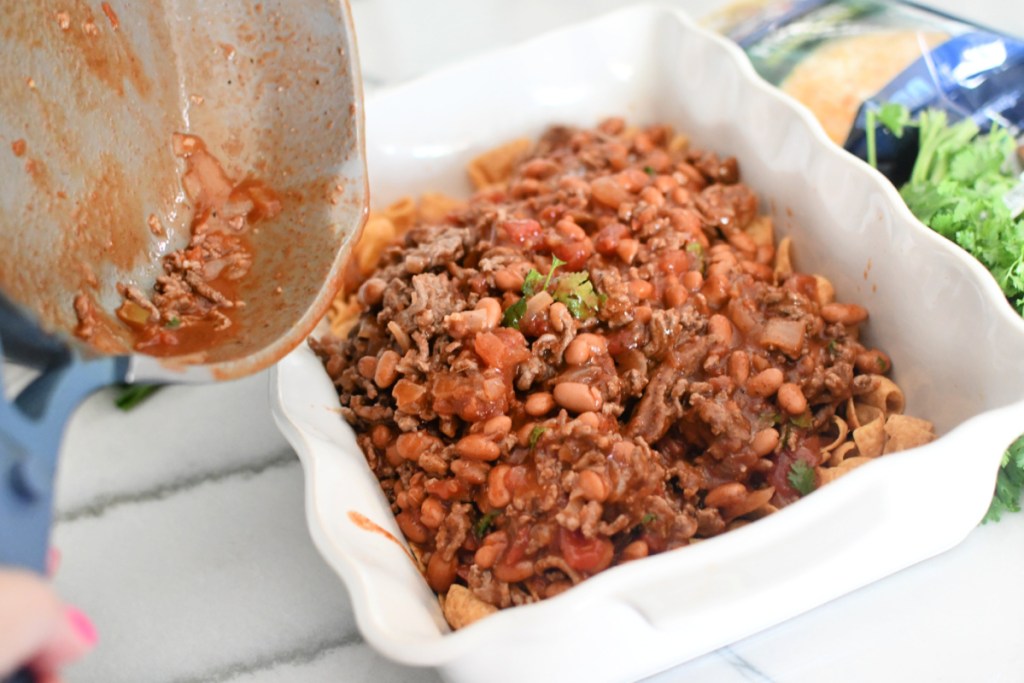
(965,186)
(1009,482)
(959,187)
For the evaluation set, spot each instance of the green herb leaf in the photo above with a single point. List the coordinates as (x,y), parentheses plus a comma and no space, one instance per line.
(697,249)
(648,518)
(1009,483)
(959,187)
(801,477)
(555,263)
(514,313)
(535,435)
(649,170)
(530,284)
(895,117)
(132,395)
(483,524)
(802,421)
(576,291)
(173,324)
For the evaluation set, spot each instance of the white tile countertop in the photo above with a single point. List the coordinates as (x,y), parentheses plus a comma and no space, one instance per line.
(181,523)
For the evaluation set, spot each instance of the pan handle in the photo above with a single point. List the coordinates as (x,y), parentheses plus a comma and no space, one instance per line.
(24,342)
(31,428)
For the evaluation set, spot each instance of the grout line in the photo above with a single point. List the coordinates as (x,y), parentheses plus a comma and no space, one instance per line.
(746,669)
(297,656)
(104,504)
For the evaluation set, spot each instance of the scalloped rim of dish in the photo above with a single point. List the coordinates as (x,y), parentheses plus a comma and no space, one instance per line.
(943,528)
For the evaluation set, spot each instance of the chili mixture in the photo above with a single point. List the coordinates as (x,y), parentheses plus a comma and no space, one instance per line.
(604,357)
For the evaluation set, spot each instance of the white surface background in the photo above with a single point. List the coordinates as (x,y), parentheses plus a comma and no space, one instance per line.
(182,528)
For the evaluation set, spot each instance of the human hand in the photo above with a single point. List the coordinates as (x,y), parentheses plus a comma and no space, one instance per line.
(37,630)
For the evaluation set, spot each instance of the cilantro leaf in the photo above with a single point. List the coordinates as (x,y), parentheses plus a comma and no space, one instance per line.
(697,249)
(535,435)
(132,395)
(802,421)
(895,117)
(514,313)
(801,477)
(962,187)
(1009,483)
(576,291)
(531,285)
(483,525)
(533,278)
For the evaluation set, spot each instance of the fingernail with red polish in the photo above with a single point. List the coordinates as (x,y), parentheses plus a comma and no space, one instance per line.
(82,626)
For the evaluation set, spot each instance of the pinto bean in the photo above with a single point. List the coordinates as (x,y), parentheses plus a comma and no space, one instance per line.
(607,191)
(386,372)
(488,553)
(584,347)
(739,367)
(847,314)
(471,472)
(381,436)
(764,442)
(693,280)
(411,444)
(627,249)
(432,513)
(635,551)
(791,399)
(641,289)
(652,196)
(411,528)
(559,316)
(539,404)
(367,366)
(873,362)
(441,572)
(508,280)
(498,493)
(513,573)
(577,397)
(593,486)
(765,383)
(720,329)
(676,295)
(477,447)
(726,495)
(492,309)
(498,427)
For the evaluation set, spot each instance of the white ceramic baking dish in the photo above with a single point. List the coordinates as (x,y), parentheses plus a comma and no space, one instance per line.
(957,348)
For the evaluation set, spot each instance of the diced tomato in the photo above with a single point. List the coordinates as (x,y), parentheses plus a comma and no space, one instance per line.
(473,397)
(521,231)
(503,348)
(678,262)
(607,239)
(575,253)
